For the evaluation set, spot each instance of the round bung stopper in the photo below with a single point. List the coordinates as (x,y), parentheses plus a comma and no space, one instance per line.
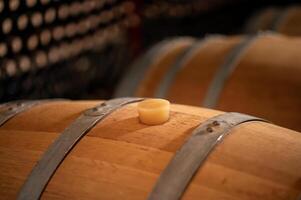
(154,111)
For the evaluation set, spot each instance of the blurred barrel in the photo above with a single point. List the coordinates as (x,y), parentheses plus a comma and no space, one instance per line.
(283,20)
(258,75)
(120,158)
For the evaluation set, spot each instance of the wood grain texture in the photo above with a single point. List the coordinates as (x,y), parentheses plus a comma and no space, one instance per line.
(191,83)
(265,83)
(121,158)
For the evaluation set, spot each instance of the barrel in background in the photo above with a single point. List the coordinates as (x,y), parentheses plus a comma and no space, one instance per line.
(285,20)
(258,75)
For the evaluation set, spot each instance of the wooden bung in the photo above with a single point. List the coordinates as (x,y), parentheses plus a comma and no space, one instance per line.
(153,111)
(121,158)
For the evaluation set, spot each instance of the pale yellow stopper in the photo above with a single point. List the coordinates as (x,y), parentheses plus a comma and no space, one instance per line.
(154,111)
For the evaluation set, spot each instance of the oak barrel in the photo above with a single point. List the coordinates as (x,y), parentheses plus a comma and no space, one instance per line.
(120,158)
(257,75)
(283,20)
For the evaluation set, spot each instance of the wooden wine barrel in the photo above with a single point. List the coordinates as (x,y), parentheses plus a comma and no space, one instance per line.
(257,75)
(89,150)
(283,20)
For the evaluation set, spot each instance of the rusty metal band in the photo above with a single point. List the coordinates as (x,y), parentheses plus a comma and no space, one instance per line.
(128,86)
(59,149)
(179,64)
(225,70)
(176,177)
(11,109)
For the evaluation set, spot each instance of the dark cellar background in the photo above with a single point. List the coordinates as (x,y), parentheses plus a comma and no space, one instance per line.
(90,58)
